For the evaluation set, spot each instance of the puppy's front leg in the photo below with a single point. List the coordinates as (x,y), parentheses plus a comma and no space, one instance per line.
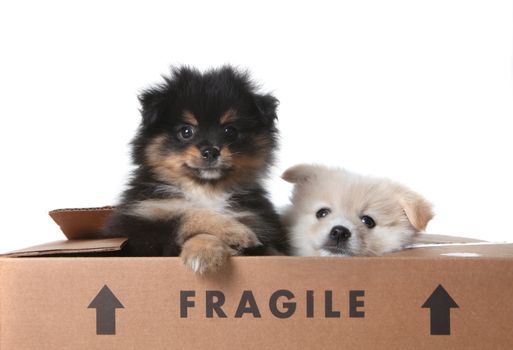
(226,228)
(204,253)
(208,238)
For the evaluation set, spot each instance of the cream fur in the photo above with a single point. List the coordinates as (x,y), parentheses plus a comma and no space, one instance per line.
(399,213)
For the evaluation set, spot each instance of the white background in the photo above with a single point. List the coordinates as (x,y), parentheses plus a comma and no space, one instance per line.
(418,91)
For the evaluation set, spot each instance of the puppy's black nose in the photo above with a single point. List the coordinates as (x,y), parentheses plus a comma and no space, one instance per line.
(340,233)
(210,154)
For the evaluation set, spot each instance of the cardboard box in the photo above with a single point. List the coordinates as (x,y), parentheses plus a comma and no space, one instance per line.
(447,293)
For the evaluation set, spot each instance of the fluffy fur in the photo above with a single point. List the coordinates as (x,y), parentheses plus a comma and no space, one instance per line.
(331,208)
(205,143)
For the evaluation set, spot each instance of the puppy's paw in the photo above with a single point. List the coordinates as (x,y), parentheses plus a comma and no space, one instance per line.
(205,253)
(238,235)
(224,226)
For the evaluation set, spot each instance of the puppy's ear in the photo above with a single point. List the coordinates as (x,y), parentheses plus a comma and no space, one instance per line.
(266,106)
(152,102)
(300,173)
(418,210)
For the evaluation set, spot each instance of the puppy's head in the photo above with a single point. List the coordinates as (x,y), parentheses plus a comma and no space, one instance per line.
(207,128)
(335,212)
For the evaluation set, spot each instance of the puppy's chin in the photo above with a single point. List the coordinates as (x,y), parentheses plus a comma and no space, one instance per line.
(207,174)
(335,252)
(210,174)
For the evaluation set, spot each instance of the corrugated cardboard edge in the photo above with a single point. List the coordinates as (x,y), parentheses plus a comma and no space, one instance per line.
(70,247)
(105,245)
(428,238)
(81,223)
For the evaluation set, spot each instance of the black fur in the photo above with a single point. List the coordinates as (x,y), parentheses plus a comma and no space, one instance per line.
(207,96)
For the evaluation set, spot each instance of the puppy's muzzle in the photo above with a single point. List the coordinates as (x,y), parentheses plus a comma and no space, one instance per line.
(339,234)
(210,154)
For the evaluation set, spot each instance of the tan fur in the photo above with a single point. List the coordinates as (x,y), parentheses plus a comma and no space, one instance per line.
(244,167)
(205,253)
(190,118)
(399,213)
(166,166)
(418,210)
(206,221)
(228,117)
(171,166)
(219,232)
(208,238)
(226,155)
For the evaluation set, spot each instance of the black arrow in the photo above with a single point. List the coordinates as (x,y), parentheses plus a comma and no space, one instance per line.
(440,303)
(105,304)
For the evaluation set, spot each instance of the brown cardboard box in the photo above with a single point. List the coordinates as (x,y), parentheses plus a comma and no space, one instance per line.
(449,293)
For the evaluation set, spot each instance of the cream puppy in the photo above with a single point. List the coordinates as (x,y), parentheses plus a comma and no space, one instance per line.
(336,212)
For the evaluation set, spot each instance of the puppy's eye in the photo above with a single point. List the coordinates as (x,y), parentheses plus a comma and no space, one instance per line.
(186,133)
(322,212)
(368,221)
(230,132)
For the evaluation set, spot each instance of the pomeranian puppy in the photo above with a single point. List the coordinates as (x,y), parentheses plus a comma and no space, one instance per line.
(203,148)
(336,212)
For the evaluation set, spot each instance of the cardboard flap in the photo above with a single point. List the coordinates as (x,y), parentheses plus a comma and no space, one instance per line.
(70,247)
(82,223)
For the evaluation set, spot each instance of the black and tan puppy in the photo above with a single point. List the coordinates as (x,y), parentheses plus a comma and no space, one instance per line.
(204,146)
